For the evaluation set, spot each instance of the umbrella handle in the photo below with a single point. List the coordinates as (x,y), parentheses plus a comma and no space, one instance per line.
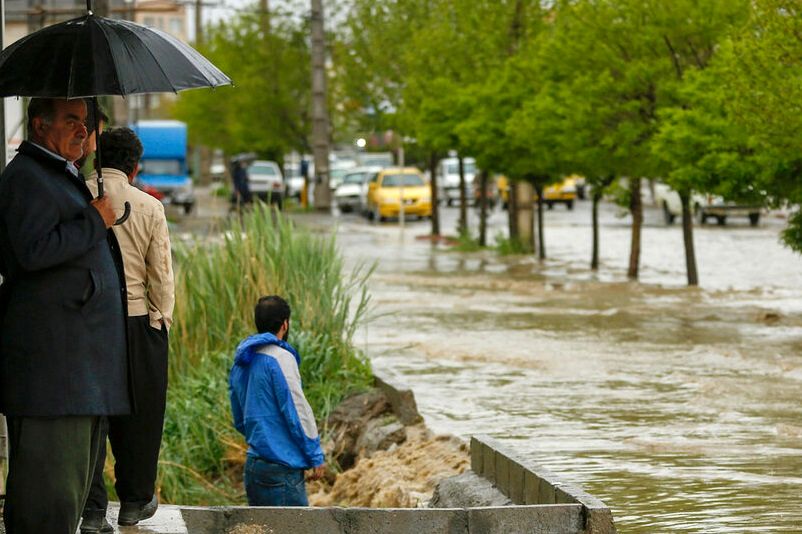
(125,215)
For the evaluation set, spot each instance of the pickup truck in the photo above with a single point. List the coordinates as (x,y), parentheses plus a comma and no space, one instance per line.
(704,207)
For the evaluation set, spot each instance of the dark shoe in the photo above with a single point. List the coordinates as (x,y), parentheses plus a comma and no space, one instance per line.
(132,513)
(94,522)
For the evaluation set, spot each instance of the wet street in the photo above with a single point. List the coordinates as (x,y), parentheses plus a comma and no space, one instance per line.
(679,407)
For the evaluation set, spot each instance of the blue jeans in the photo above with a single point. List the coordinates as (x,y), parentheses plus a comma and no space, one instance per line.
(269,484)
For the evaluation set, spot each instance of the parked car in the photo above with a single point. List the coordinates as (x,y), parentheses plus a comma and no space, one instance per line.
(563,192)
(351,194)
(338,170)
(265,181)
(391,188)
(704,207)
(448,179)
(293,181)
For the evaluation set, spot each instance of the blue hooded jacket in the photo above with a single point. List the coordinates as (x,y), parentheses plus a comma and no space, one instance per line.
(268,404)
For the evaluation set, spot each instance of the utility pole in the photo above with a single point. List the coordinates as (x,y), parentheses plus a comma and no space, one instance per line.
(320,117)
(198,23)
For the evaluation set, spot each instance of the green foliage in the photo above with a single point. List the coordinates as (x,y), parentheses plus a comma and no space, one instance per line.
(267,110)
(466,242)
(217,287)
(509,246)
(792,235)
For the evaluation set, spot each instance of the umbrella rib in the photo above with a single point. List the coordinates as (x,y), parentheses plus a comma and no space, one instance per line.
(156,60)
(73,58)
(113,60)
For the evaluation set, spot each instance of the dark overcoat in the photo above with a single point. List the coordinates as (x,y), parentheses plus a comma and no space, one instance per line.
(62,317)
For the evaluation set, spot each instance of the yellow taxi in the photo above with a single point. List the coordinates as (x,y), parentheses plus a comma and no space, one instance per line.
(563,192)
(390,188)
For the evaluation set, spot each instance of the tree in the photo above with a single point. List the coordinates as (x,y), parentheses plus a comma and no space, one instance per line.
(762,76)
(267,111)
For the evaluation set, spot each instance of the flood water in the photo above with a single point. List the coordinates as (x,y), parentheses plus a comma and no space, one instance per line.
(680,408)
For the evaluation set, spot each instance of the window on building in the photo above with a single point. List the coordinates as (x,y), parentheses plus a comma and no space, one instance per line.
(150,22)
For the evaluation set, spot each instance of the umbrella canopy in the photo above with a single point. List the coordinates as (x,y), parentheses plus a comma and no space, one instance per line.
(94,56)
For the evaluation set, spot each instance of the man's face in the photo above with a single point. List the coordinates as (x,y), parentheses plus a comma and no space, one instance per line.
(66,134)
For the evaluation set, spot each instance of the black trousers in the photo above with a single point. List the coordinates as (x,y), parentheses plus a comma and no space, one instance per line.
(50,468)
(135,439)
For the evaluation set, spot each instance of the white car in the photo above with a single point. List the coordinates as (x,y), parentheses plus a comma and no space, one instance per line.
(704,207)
(351,194)
(265,181)
(448,179)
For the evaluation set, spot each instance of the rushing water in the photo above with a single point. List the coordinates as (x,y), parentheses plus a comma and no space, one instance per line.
(680,408)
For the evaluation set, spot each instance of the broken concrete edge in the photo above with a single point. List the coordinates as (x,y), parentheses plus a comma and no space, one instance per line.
(508,471)
(566,518)
(401,399)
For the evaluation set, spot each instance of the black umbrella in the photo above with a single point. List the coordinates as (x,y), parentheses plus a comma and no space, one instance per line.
(91,56)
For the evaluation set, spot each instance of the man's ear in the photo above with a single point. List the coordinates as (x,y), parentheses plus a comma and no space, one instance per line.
(38,126)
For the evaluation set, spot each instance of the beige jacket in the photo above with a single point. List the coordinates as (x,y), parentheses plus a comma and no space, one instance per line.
(145,246)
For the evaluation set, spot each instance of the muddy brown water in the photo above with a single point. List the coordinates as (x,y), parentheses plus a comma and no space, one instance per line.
(680,408)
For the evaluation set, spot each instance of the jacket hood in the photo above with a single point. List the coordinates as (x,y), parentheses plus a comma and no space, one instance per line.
(249,346)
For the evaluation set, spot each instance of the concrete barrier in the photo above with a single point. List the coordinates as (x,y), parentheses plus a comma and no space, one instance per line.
(553,519)
(527,483)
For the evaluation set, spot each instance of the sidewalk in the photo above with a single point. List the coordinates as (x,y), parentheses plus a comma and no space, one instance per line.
(167,520)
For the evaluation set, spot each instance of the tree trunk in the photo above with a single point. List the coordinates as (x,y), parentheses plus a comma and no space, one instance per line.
(320,118)
(483,209)
(687,236)
(512,210)
(594,260)
(541,242)
(524,216)
(433,187)
(463,201)
(636,209)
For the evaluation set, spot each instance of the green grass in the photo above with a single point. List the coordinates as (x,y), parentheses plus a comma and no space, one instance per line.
(466,242)
(508,246)
(216,289)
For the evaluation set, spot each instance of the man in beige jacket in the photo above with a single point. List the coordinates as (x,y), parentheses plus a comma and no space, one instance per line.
(145,245)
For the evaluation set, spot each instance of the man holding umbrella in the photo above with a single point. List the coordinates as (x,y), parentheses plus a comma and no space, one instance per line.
(63,356)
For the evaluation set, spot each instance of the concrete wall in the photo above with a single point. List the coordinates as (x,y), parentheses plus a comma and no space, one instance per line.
(548,519)
(527,483)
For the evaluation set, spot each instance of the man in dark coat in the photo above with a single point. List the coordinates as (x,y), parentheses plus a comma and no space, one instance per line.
(63,353)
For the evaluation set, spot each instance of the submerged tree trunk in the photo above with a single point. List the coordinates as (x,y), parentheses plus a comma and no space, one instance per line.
(483,209)
(512,211)
(541,242)
(524,215)
(594,260)
(636,209)
(463,201)
(687,236)
(433,187)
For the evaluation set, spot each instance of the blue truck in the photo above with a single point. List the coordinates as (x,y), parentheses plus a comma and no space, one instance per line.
(164,172)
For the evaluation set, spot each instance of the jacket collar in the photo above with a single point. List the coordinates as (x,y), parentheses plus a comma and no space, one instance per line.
(109,174)
(248,347)
(44,155)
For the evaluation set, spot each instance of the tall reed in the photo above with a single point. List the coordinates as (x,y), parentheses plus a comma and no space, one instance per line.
(217,286)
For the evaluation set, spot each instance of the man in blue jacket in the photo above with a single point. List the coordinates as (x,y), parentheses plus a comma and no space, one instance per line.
(271,411)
